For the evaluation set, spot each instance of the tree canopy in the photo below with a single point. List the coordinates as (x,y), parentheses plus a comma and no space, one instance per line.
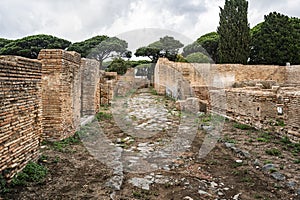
(30,46)
(166,47)
(111,47)
(276,40)
(206,44)
(198,57)
(85,47)
(234,32)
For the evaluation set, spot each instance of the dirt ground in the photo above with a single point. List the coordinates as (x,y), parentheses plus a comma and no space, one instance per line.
(236,168)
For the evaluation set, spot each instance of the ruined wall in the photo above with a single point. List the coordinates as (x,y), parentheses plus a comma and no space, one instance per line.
(108,81)
(90,87)
(20,113)
(273,98)
(61,83)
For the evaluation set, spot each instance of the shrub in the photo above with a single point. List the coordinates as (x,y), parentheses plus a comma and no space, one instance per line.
(33,172)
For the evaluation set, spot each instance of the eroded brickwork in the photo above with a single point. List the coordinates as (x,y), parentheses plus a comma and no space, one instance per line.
(61,83)
(90,87)
(20,113)
(266,97)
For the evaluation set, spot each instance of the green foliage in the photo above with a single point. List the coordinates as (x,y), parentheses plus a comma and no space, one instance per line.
(3,185)
(101,48)
(118,65)
(198,58)
(234,32)
(32,173)
(166,47)
(103,116)
(85,47)
(242,126)
(273,152)
(4,42)
(210,43)
(62,145)
(30,46)
(109,48)
(276,40)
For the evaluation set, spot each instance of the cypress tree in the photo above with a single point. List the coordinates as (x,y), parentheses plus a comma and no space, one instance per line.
(234,31)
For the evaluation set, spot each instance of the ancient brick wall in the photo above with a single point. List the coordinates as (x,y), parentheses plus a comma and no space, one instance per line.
(61,83)
(224,89)
(90,87)
(108,81)
(20,113)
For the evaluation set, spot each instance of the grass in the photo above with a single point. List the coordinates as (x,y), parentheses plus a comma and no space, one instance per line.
(242,126)
(62,145)
(103,116)
(32,173)
(3,185)
(273,152)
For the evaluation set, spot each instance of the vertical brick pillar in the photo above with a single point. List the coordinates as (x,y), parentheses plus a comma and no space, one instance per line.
(61,83)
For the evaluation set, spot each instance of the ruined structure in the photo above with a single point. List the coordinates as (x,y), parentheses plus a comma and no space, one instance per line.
(20,113)
(44,100)
(266,97)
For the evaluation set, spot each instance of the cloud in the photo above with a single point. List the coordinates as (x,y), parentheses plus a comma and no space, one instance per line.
(77,20)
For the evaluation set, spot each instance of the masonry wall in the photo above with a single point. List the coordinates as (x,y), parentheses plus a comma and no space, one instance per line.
(90,87)
(274,88)
(20,113)
(61,83)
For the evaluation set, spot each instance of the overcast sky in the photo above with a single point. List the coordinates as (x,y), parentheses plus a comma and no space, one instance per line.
(77,20)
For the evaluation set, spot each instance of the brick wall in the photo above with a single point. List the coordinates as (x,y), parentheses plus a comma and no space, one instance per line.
(273,88)
(20,113)
(61,83)
(90,83)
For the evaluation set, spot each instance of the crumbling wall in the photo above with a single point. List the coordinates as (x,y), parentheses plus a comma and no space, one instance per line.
(272,102)
(61,83)
(20,113)
(90,87)
(108,81)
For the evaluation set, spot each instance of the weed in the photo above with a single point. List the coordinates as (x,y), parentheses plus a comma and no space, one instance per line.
(33,172)
(43,158)
(228,140)
(272,170)
(61,145)
(56,159)
(103,116)
(262,140)
(280,123)
(285,140)
(267,162)
(242,126)
(297,161)
(3,185)
(273,152)
(236,165)
(246,179)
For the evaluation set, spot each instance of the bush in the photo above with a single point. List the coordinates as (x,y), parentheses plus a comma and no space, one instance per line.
(33,173)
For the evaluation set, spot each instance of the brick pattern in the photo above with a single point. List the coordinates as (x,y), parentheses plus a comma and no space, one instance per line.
(61,83)
(273,88)
(20,113)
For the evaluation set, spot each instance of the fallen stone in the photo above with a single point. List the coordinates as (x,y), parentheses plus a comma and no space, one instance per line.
(188,198)
(236,197)
(291,184)
(268,167)
(229,145)
(141,183)
(201,192)
(278,176)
